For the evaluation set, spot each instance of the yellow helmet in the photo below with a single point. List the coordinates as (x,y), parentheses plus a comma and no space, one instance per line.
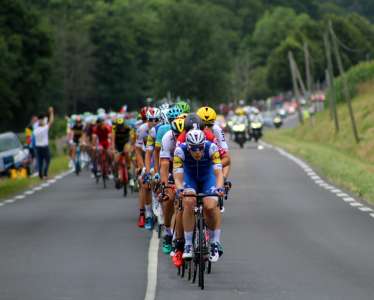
(240,111)
(177,125)
(120,121)
(207,114)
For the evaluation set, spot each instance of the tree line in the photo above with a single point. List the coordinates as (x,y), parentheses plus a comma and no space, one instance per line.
(80,55)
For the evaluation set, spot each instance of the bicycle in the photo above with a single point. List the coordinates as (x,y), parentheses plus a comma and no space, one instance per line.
(200,242)
(121,169)
(102,160)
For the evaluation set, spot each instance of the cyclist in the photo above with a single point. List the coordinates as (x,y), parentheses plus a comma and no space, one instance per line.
(184,106)
(75,135)
(145,215)
(102,137)
(209,116)
(169,142)
(198,169)
(122,134)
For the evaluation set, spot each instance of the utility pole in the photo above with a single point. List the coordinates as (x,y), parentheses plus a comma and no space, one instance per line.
(308,74)
(295,86)
(346,91)
(333,112)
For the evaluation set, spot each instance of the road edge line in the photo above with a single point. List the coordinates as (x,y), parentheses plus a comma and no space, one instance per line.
(150,293)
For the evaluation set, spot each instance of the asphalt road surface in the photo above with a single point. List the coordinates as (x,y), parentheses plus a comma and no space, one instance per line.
(284,238)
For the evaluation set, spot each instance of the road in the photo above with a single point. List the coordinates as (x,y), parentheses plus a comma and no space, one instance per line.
(284,237)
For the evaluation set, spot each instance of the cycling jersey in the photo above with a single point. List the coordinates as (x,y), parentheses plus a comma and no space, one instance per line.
(208,135)
(141,136)
(160,134)
(220,136)
(152,137)
(198,174)
(103,133)
(77,132)
(168,145)
(122,136)
(89,131)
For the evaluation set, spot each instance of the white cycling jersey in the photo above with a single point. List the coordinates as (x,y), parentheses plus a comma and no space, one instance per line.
(220,136)
(141,136)
(168,145)
(151,136)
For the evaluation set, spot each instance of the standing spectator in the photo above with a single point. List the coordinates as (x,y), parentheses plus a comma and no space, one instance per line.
(41,133)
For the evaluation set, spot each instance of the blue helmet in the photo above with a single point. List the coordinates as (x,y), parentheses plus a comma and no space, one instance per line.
(174,112)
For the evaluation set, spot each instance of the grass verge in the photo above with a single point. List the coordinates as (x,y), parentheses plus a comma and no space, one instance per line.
(336,155)
(10,187)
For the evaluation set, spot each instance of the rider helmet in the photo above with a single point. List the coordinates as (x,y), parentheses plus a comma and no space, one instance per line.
(174,112)
(195,137)
(153,113)
(184,106)
(193,121)
(207,114)
(177,125)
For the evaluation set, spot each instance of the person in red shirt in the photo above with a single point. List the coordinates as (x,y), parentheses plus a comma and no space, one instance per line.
(102,136)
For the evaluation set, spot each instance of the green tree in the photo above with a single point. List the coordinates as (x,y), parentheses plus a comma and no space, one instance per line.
(25,49)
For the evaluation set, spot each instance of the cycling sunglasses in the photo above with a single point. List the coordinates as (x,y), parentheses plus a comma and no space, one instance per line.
(197,148)
(154,120)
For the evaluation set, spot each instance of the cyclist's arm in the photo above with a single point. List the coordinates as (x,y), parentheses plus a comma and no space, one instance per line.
(156,156)
(148,153)
(217,165)
(178,168)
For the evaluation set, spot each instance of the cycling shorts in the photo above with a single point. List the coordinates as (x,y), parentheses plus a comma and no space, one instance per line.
(205,184)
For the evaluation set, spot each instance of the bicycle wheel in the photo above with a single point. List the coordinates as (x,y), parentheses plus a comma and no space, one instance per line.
(189,266)
(201,252)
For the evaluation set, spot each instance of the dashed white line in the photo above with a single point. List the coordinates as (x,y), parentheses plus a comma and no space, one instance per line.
(9,201)
(37,188)
(19,197)
(1,204)
(349,199)
(30,192)
(365,209)
(317,180)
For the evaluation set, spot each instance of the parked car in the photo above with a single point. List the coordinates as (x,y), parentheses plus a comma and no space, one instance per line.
(12,154)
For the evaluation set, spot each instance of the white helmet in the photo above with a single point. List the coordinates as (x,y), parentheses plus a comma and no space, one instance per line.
(164,115)
(195,137)
(153,113)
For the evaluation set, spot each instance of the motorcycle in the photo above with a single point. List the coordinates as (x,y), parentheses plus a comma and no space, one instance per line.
(256,131)
(239,131)
(277,121)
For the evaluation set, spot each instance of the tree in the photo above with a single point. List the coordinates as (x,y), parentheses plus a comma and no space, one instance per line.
(25,49)
(192,58)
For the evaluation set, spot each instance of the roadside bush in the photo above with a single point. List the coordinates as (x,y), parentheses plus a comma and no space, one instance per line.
(358,74)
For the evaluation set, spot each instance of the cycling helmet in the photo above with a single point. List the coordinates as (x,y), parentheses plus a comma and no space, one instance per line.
(195,137)
(177,125)
(184,106)
(101,111)
(193,121)
(100,120)
(153,113)
(174,113)
(164,106)
(164,116)
(143,112)
(120,121)
(207,114)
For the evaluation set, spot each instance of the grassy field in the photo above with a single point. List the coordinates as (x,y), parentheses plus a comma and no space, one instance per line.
(337,156)
(10,187)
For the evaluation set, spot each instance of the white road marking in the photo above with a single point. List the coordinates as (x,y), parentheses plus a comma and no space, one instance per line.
(342,195)
(29,192)
(150,293)
(1,204)
(366,209)
(317,180)
(9,201)
(19,197)
(45,184)
(37,188)
(349,199)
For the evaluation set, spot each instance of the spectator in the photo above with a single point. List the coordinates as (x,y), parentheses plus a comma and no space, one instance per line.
(41,133)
